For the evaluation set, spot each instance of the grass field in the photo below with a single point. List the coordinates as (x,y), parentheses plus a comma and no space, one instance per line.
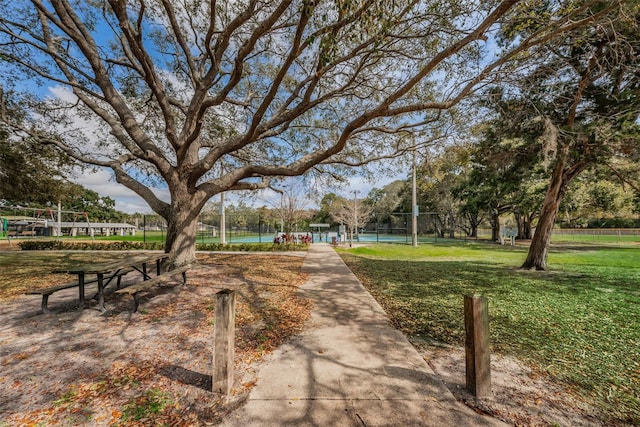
(602,235)
(578,322)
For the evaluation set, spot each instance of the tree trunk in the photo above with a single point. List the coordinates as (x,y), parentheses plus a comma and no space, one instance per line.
(472,230)
(182,230)
(474,222)
(452,226)
(524,225)
(519,223)
(537,256)
(495,226)
(527,231)
(563,174)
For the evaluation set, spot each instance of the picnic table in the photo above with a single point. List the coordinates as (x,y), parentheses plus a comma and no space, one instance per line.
(105,272)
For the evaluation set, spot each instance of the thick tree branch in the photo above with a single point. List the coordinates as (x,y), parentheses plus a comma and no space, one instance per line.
(135,43)
(122,177)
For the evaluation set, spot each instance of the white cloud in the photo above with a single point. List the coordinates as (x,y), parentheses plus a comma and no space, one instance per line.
(364,186)
(102,182)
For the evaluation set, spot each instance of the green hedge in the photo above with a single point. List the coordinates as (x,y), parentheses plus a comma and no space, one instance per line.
(613,223)
(60,245)
(251,247)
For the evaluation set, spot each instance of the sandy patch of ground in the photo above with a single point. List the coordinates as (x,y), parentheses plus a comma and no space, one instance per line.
(81,367)
(520,396)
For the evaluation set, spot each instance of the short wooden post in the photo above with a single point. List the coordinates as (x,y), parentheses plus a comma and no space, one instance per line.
(223,341)
(477,355)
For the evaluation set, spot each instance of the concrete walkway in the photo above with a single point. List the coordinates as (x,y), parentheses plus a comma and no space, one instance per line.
(350,367)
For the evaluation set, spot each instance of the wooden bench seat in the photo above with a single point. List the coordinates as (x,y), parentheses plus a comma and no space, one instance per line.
(46,292)
(136,289)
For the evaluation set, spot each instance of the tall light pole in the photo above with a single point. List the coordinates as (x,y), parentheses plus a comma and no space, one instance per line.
(355,213)
(223,220)
(414,204)
(282,213)
(59,220)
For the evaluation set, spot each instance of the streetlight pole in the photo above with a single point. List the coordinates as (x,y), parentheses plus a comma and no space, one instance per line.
(282,213)
(355,213)
(59,220)
(414,204)
(223,220)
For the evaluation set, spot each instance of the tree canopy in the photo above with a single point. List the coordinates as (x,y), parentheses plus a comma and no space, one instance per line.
(218,96)
(31,173)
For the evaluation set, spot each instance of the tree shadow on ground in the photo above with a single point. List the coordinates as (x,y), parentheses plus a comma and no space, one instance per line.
(187,377)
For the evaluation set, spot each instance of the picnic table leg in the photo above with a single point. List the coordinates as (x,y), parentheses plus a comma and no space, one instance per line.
(101,292)
(144,271)
(81,289)
(45,299)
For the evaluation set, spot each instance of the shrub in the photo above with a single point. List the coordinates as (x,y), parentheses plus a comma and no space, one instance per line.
(61,245)
(250,247)
(613,223)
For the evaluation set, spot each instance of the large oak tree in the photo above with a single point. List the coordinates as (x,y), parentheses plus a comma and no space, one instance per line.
(583,100)
(217,96)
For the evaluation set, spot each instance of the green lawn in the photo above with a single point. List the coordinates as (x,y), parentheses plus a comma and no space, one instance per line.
(596,236)
(579,321)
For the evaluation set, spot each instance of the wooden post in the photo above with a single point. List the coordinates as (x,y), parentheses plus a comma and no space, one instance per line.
(477,355)
(223,336)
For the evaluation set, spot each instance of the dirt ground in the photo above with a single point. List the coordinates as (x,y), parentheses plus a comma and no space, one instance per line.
(520,396)
(81,367)
(53,365)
